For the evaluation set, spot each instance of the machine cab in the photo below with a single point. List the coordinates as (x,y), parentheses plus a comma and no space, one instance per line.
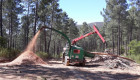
(77,53)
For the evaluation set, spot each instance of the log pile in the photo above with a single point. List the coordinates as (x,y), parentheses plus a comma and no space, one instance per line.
(114,62)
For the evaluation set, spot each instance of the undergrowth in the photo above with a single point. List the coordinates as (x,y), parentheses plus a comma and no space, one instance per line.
(134,52)
(135,57)
(42,55)
(9,53)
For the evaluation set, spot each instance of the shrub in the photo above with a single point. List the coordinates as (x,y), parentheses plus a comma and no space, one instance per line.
(9,53)
(122,50)
(134,47)
(42,55)
(135,57)
(2,41)
(4,52)
(13,53)
(134,50)
(57,56)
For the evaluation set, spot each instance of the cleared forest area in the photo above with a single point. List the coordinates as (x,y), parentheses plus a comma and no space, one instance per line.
(24,44)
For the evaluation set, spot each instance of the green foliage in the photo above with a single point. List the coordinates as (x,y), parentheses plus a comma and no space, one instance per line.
(4,52)
(2,41)
(134,47)
(135,57)
(43,55)
(18,31)
(13,53)
(9,53)
(122,50)
(121,22)
(57,56)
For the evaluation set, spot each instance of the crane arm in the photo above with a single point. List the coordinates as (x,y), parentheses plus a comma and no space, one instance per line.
(97,32)
(64,35)
(83,36)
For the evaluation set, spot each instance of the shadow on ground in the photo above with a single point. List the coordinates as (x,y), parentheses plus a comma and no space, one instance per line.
(35,70)
(32,71)
(99,75)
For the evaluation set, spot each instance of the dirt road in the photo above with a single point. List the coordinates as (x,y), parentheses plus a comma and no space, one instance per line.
(56,70)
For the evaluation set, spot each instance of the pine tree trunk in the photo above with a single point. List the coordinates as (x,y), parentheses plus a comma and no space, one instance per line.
(121,43)
(126,48)
(45,40)
(25,36)
(119,36)
(57,49)
(50,36)
(59,42)
(36,17)
(117,44)
(10,28)
(1,33)
(49,42)
(54,47)
(131,31)
(113,40)
(9,34)
(27,29)
(13,44)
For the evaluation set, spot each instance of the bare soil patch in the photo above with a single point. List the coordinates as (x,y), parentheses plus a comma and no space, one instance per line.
(56,70)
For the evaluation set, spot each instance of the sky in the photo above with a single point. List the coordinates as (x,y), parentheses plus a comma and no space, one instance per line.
(83,10)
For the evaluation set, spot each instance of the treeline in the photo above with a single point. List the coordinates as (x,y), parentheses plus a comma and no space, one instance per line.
(121,24)
(21,19)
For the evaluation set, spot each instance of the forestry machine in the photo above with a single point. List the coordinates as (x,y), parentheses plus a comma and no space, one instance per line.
(73,53)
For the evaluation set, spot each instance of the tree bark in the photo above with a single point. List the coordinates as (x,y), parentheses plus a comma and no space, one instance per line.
(121,42)
(27,27)
(50,36)
(9,34)
(113,40)
(119,36)
(11,30)
(49,42)
(126,48)
(117,44)
(10,27)
(54,48)
(131,31)
(1,33)
(45,41)
(36,17)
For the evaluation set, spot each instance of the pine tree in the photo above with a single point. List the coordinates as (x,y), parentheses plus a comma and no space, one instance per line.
(116,13)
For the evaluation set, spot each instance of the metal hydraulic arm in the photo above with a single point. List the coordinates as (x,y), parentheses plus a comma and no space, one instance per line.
(83,36)
(43,27)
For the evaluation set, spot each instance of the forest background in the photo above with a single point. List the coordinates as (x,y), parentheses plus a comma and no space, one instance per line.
(21,19)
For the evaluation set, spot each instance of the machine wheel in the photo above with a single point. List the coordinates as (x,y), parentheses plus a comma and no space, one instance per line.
(83,63)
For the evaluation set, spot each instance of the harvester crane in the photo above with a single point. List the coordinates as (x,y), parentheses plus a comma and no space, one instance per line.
(88,34)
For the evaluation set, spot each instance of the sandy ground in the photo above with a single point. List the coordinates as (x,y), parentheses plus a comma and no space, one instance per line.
(55,70)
